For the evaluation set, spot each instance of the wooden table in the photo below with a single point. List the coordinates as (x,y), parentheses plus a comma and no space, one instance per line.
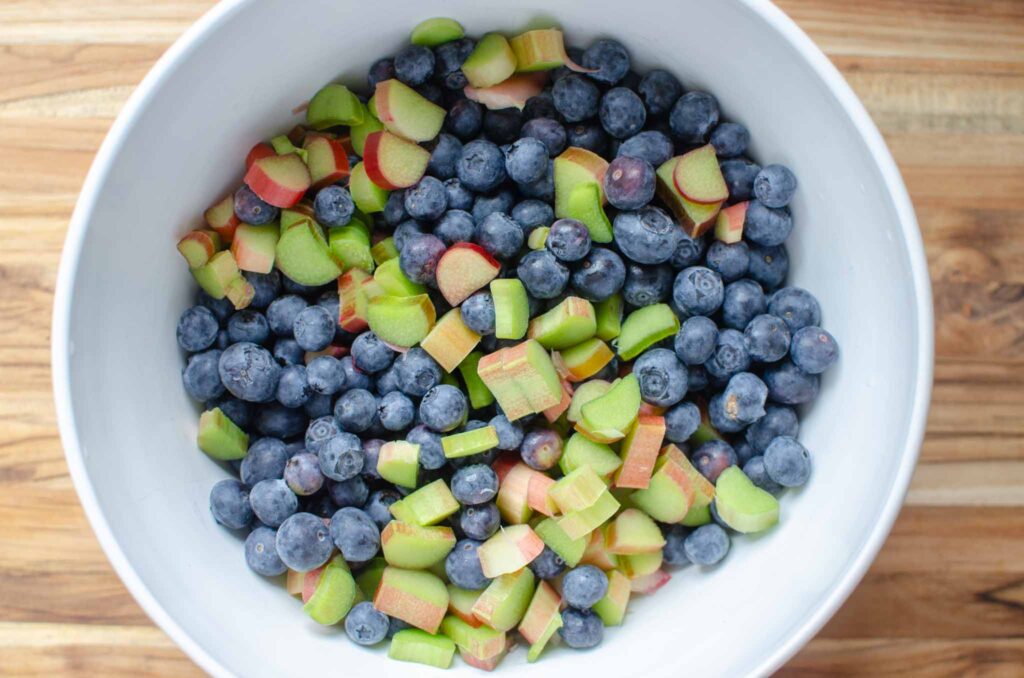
(944,80)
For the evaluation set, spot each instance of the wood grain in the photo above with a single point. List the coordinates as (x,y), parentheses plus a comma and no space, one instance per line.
(943,79)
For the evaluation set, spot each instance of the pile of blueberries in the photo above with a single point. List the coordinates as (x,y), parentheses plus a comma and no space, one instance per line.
(316,428)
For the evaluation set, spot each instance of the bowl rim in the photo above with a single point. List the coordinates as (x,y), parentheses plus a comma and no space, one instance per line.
(222,12)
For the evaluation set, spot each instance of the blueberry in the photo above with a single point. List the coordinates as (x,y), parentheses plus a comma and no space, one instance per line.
(295,447)
(405,231)
(455,226)
(281,422)
(201,376)
(629,183)
(502,126)
(478,313)
(730,139)
(662,378)
(249,372)
(695,340)
(500,235)
(647,236)
(543,275)
(463,566)
(266,287)
(510,435)
(288,352)
(265,460)
(778,420)
(272,501)
(414,64)
(355,534)
(540,106)
(465,119)
(730,356)
(548,131)
(699,378)
(371,452)
(431,453)
(774,186)
(787,462)
(377,507)
(588,136)
(789,385)
(417,372)
(765,225)
(250,209)
(730,261)
(355,410)
(530,214)
(365,624)
(449,57)
(394,208)
(261,552)
(568,240)
(744,398)
(768,338)
(248,325)
(743,451)
(486,205)
(693,116)
(622,113)
(351,492)
(576,98)
(547,565)
(758,474)
(601,275)
(326,375)
(541,449)
(813,349)
(443,408)
(610,59)
(768,265)
(319,431)
(432,93)
(428,199)
(743,301)
(229,504)
(370,354)
(659,89)
(651,146)
(333,206)
(646,285)
(314,328)
(673,552)
(480,522)
(721,418)
(238,411)
(475,484)
(481,167)
(197,329)
(380,70)
(395,411)
(293,388)
(707,545)
(581,629)
(302,473)
(527,160)
(689,252)
(796,306)
(281,314)
(739,176)
(289,286)
(698,290)
(681,422)
(543,189)
(221,308)
(341,457)
(354,377)
(418,259)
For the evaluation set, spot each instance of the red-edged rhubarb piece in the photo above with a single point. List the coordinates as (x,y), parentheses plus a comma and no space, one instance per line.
(392,162)
(511,93)
(280,180)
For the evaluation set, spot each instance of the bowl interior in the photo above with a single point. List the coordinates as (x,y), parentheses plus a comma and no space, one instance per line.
(236,83)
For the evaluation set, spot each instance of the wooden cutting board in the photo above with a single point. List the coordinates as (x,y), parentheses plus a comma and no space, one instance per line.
(944,80)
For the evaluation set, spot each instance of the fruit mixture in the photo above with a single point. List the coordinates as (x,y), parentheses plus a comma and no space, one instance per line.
(498,341)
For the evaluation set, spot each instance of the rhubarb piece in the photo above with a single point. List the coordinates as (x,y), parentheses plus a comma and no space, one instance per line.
(254,247)
(220,437)
(298,214)
(393,162)
(280,180)
(460,604)
(463,269)
(398,462)
(567,324)
(699,178)
(607,418)
(580,523)
(415,547)
(304,255)
(351,246)
(505,600)
(542,619)
(450,341)
(198,247)
(522,378)
(585,205)
(334,105)
(368,196)
(402,512)
(513,500)
(609,317)
(436,31)
(695,218)
(538,237)
(612,608)
(639,451)
(419,647)
(368,126)
(580,451)
(352,300)
(394,281)
(697,516)
(639,565)
(416,597)
(703,490)
(583,394)
(431,503)
(369,577)
(468,443)
(510,549)
(649,583)
(218,274)
(294,581)
(327,160)
(511,308)
(542,50)
(743,506)
(480,642)
(537,490)
(670,494)
(491,61)
(282,145)
(585,359)
(221,217)
(578,490)
(511,93)
(568,549)
(384,250)
(479,395)
(633,532)
(260,150)
(597,554)
(407,113)
(401,321)
(555,411)
(240,293)
(729,224)
(577,167)
(335,593)
(645,327)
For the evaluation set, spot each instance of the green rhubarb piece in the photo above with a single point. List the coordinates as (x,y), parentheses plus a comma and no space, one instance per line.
(358,133)
(461,601)
(633,531)
(469,443)
(504,601)
(609,317)
(369,577)
(394,281)
(420,647)
(368,196)
(636,565)
(584,393)
(567,324)
(304,255)
(610,415)
(220,438)
(644,328)
(581,451)
(436,31)
(511,308)
(334,105)
(538,237)
(431,503)
(401,511)
(384,250)
(581,523)
(612,608)
(480,642)
(417,597)
(215,275)
(554,537)
(533,653)
(291,218)
(398,462)
(402,321)
(334,595)
(491,61)
(665,499)
(283,146)
(742,505)
(577,490)
(351,246)
(479,395)
(585,205)
(413,547)
(697,516)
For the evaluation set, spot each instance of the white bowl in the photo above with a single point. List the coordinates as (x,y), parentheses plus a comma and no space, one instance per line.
(129,429)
